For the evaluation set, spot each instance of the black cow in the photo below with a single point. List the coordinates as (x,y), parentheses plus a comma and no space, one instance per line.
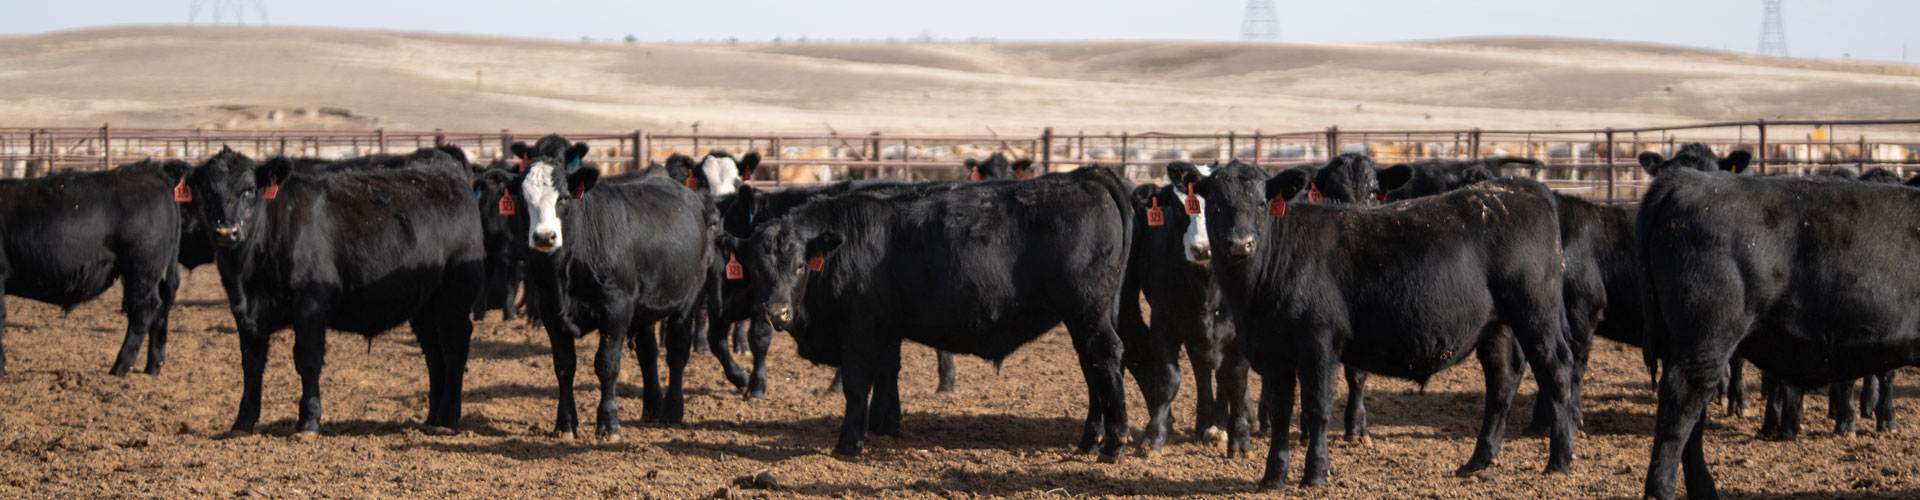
(1807,278)
(1313,287)
(354,250)
(996,166)
(1698,156)
(616,256)
(1169,264)
(980,268)
(70,235)
(504,259)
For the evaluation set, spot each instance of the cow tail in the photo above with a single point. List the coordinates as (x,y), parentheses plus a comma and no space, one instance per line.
(1126,300)
(1653,341)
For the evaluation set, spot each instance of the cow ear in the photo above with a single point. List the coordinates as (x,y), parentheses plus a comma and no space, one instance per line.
(176,169)
(575,153)
(1393,177)
(747,164)
(1021,166)
(273,172)
(726,243)
(1143,196)
(1181,173)
(582,180)
(1736,162)
(1287,183)
(1651,161)
(1473,175)
(519,149)
(825,243)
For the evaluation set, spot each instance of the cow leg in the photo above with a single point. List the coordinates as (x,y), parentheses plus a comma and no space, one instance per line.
(701,343)
(511,289)
(140,299)
(838,384)
(1278,390)
(606,369)
(883,415)
(1736,387)
(1869,394)
(646,346)
(761,340)
(1101,362)
(1840,407)
(3,326)
(1540,331)
(1783,409)
(157,332)
(1232,378)
(717,338)
(433,349)
(1882,408)
(309,356)
(947,374)
(1318,365)
(1205,409)
(1680,419)
(1156,369)
(741,330)
(455,338)
(678,336)
(1356,404)
(565,361)
(1500,365)
(253,363)
(859,382)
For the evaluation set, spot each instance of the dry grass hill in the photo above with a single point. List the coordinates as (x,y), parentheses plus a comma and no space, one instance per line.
(315,78)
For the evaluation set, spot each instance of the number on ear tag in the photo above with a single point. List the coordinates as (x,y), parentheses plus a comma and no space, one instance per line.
(1193,204)
(181,192)
(1154,217)
(1313,193)
(273,190)
(817,262)
(734,270)
(506,204)
(1277,207)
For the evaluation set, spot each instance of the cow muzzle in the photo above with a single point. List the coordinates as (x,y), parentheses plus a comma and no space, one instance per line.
(778,315)
(228,236)
(1200,252)
(546,241)
(1240,247)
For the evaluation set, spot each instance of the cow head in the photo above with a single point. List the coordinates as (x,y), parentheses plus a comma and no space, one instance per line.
(996,167)
(1407,181)
(1181,180)
(1880,176)
(777,262)
(228,192)
(1237,197)
(723,174)
(749,208)
(1696,156)
(1350,179)
(548,188)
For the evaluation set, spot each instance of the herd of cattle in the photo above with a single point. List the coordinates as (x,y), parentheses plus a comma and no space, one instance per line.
(1400,271)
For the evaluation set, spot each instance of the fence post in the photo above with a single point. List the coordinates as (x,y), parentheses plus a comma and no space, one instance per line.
(106,146)
(1333,142)
(1233,149)
(439,138)
(641,151)
(382,134)
(1124,155)
(1046,150)
(777,167)
(1473,144)
(1864,155)
(1762,153)
(506,144)
(1612,192)
(1257,148)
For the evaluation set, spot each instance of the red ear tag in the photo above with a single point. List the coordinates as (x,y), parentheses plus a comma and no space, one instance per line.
(975,176)
(747,175)
(1193,204)
(692,181)
(817,262)
(1313,193)
(1277,207)
(1382,196)
(1154,217)
(1020,173)
(506,204)
(181,192)
(523,163)
(273,190)
(579,191)
(734,270)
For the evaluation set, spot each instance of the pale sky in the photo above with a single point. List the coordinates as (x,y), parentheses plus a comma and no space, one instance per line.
(1864,29)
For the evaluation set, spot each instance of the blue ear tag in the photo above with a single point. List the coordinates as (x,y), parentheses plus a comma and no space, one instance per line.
(750,212)
(575,164)
(476,193)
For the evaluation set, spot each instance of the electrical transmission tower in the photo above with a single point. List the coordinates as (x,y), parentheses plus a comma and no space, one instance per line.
(1773,31)
(1262,22)
(221,9)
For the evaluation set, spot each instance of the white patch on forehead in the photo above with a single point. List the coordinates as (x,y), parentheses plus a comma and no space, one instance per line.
(1196,225)
(541,196)
(1205,170)
(723,175)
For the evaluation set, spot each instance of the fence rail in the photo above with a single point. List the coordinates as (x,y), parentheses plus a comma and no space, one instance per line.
(1596,163)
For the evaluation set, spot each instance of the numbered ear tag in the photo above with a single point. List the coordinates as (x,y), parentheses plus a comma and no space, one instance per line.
(1382,196)
(1154,216)
(181,192)
(734,269)
(506,204)
(1193,203)
(975,176)
(1277,207)
(273,190)
(1313,193)
(523,163)
(579,191)
(693,182)
(817,262)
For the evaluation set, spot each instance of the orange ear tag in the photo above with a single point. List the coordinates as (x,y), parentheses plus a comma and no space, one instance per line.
(1313,193)
(273,190)
(693,182)
(1277,207)
(975,176)
(181,192)
(817,262)
(579,191)
(1193,204)
(506,204)
(734,270)
(1154,216)
(1382,196)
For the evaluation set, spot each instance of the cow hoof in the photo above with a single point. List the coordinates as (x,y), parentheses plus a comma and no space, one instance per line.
(236,434)
(1146,452)
(1364,440)
(1109,459)
(437,430)
(306,436)
(610,438)
(1214,435)
(1849,435)
(566,436)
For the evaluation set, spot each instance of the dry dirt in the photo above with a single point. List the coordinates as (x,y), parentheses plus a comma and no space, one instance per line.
(69,430)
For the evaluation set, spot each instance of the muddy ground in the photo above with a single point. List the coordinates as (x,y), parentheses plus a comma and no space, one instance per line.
(67,429)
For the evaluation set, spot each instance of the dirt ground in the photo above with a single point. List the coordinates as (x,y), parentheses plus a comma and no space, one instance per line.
(69,430)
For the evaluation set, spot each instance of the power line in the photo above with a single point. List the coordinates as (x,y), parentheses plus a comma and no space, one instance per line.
(1773,31)
(1261,23)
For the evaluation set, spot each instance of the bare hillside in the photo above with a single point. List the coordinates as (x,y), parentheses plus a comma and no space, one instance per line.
(248,78)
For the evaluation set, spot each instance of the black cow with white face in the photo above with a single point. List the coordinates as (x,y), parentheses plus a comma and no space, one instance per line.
(980,268)
(1810,279)
(355,250)
(1313,287)
(616,256)
(70,235)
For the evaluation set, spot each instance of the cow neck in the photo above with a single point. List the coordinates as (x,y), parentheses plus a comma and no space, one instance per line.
(1291,242)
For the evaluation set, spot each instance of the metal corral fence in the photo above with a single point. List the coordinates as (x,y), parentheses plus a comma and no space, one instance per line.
(1592,163)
